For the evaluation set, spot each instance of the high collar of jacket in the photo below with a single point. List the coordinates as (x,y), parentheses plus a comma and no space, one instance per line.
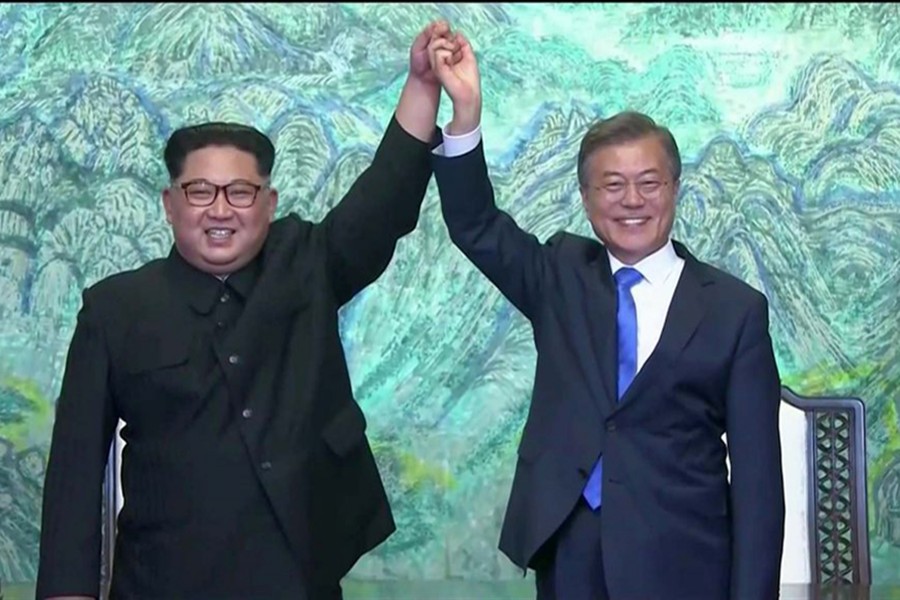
(201,289)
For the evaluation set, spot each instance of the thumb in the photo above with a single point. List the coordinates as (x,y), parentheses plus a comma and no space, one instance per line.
(421,40)
(440,53)
(443,59)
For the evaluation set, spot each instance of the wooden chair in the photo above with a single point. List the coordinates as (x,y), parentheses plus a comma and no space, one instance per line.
(824,460)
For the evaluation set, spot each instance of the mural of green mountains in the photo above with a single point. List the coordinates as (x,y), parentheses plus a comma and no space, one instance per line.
(788,120)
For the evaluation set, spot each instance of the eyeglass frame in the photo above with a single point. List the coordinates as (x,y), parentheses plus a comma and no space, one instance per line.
(628,183)
(221,188)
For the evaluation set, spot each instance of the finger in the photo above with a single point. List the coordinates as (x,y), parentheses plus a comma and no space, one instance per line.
(441,44)
(436,29)
(437,60)
(442,61)
(439,56)
(422,39)
(463,43)
(438,48)
(442,35)
(440,27)
(467,53)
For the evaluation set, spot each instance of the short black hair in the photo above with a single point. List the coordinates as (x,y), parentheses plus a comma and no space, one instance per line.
(627,126)
(185,140)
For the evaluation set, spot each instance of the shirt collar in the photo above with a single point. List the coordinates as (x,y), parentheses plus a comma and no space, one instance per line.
(202,290)
(655,268)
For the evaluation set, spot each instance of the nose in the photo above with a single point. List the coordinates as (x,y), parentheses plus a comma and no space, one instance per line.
(220,209)
(632,197)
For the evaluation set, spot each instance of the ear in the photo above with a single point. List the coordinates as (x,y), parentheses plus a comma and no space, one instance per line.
(676,187)
(585,202)
(167,202)
(273,203)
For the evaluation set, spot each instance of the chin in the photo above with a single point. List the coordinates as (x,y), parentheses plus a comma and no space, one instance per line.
(221,263)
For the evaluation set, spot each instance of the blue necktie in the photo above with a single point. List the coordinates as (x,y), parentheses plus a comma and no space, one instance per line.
(626,331)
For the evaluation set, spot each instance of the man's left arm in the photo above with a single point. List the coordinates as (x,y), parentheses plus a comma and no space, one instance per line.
(754,446)
(384,202)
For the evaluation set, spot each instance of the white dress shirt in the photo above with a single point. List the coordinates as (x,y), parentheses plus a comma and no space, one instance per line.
(457,145)
(652,295)
(661,270)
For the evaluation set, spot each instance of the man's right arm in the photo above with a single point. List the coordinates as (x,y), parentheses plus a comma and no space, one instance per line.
(83,430)
(512,259)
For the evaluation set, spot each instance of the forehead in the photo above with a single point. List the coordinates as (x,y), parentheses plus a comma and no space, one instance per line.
(629,158)
(220,163)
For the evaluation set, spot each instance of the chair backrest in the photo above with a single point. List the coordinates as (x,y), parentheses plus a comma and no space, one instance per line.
(824,462)
(112,504)
(794,431)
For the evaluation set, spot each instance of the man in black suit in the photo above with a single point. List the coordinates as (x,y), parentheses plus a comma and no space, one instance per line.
(646,357)
(246,471)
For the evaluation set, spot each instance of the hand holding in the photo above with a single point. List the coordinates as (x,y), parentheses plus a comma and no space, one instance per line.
(421,95)
(453,63)
(420,68)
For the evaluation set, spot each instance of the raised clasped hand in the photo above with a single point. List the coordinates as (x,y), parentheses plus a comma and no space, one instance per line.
(453,63)
(420,65)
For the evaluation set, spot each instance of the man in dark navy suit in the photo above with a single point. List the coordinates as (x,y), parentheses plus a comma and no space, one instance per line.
(646,357)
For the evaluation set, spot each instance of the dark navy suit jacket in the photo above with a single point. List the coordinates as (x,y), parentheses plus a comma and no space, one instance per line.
(674,526)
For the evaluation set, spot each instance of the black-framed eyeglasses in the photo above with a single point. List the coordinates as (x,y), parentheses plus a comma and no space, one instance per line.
(648,189)
(239,194)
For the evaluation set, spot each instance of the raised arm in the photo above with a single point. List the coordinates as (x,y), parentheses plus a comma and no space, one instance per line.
(384,202)
(512,259)
(83,430)
(754,446)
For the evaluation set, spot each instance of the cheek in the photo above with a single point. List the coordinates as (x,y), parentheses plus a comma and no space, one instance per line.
(600,216)
(591,209)
(668,216)
(667,208)
(255,221)
(187,222)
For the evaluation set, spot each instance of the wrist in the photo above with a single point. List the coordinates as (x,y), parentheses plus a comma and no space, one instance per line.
(418,107)
(466,118)
(419,86)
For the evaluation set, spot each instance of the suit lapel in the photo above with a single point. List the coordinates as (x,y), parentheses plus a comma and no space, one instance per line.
(600,313)
(682,320)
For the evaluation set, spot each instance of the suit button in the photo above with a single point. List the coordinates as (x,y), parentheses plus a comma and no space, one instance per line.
(224,298)
(247,413)
(265,466)
(234,359)
(610,426)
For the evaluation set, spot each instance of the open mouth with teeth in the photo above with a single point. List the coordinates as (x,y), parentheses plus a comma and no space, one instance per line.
(219,233)
(633,221)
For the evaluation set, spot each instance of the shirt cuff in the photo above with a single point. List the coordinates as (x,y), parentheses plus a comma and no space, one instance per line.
(457,145)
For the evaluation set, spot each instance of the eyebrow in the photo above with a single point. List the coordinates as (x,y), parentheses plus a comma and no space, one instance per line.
(653,171)
(201,180)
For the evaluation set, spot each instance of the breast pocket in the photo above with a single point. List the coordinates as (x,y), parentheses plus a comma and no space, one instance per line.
(348,488)
(345,431)
(157,368)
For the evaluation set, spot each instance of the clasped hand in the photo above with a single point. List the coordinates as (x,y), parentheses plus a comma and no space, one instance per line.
(443,57)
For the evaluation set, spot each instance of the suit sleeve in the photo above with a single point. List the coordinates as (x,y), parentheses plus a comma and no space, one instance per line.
(512,259)
(382,206)
(83,429)
(757,487)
